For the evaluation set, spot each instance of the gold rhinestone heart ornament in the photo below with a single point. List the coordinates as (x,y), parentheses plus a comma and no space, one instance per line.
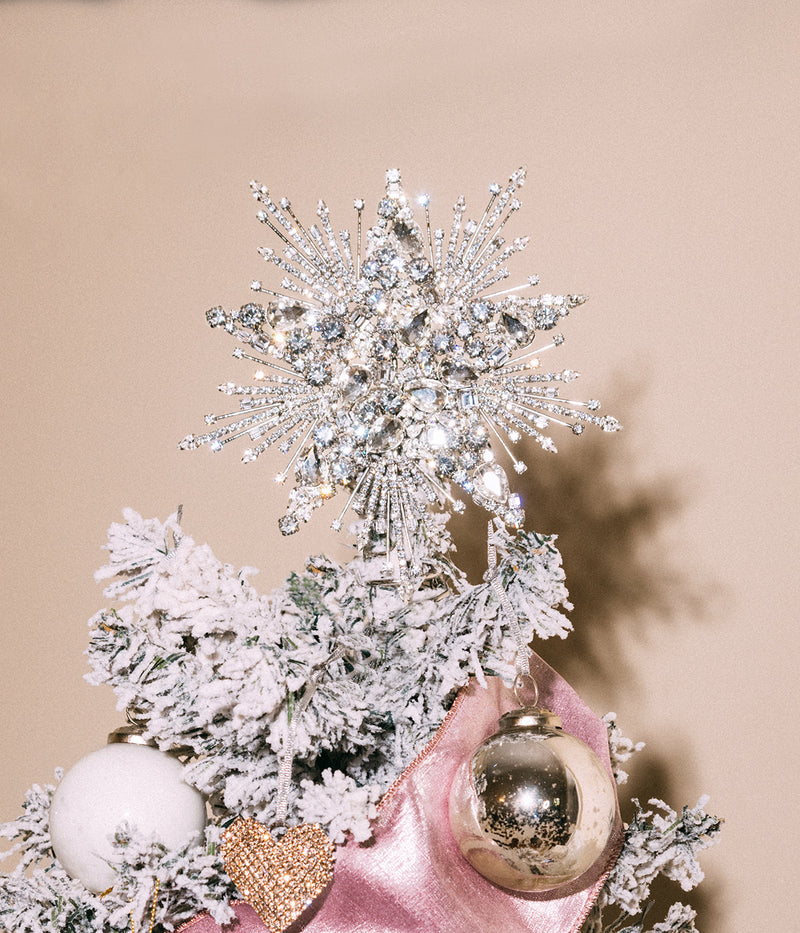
(278,878)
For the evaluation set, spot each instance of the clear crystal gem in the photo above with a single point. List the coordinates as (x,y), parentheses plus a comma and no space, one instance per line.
(481,311)
(458,374)
(441,343)
(390,258)
(251,315)
(216,317)
(286,316)
(361,430)
(354,383)
(388,276)
(324,434)
(288,524)
(478,437)
(545,317)
(420,269)
(498,356)
(491,482)
(318,373)
(342,470)
(260,342)
(331,328)
(415,332)
(438,437)
(297,342)
(427,395)
(515,327)
(385,348)
(391,401)
(307,468)
(474,346)
(386,433)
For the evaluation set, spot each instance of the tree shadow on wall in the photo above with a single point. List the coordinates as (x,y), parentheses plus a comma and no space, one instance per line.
(619,573)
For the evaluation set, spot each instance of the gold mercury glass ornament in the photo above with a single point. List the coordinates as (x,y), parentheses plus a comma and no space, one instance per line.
(533,807)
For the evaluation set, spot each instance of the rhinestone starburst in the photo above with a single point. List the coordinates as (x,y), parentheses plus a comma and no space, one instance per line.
(397,368)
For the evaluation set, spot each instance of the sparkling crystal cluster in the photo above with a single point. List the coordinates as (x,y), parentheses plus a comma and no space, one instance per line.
(279,879)
(397,368)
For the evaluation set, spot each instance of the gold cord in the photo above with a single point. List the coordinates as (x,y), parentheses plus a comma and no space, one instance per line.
(152,911)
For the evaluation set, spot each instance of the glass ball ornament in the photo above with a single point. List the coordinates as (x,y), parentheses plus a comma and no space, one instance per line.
(533,807)
(129,781)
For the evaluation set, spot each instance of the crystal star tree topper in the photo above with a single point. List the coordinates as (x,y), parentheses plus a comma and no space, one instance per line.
(397,369)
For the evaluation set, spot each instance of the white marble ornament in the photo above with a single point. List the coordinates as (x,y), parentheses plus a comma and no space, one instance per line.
(121,783)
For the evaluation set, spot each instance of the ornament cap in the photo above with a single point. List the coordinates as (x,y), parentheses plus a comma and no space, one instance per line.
(133,734)
(130,735)
(529,717)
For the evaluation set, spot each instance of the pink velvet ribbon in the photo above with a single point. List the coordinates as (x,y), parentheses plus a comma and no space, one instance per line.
(412,877)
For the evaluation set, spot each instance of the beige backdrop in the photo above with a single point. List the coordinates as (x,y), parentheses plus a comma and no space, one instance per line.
(662,146)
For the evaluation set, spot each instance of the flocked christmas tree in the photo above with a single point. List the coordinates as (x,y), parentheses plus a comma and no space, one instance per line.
(397,372)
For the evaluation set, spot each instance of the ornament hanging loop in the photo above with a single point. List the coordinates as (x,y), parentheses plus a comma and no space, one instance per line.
(285,770)
(526,690)
(524,683)
(278,830)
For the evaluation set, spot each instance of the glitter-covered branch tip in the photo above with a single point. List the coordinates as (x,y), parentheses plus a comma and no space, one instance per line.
(394,366)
